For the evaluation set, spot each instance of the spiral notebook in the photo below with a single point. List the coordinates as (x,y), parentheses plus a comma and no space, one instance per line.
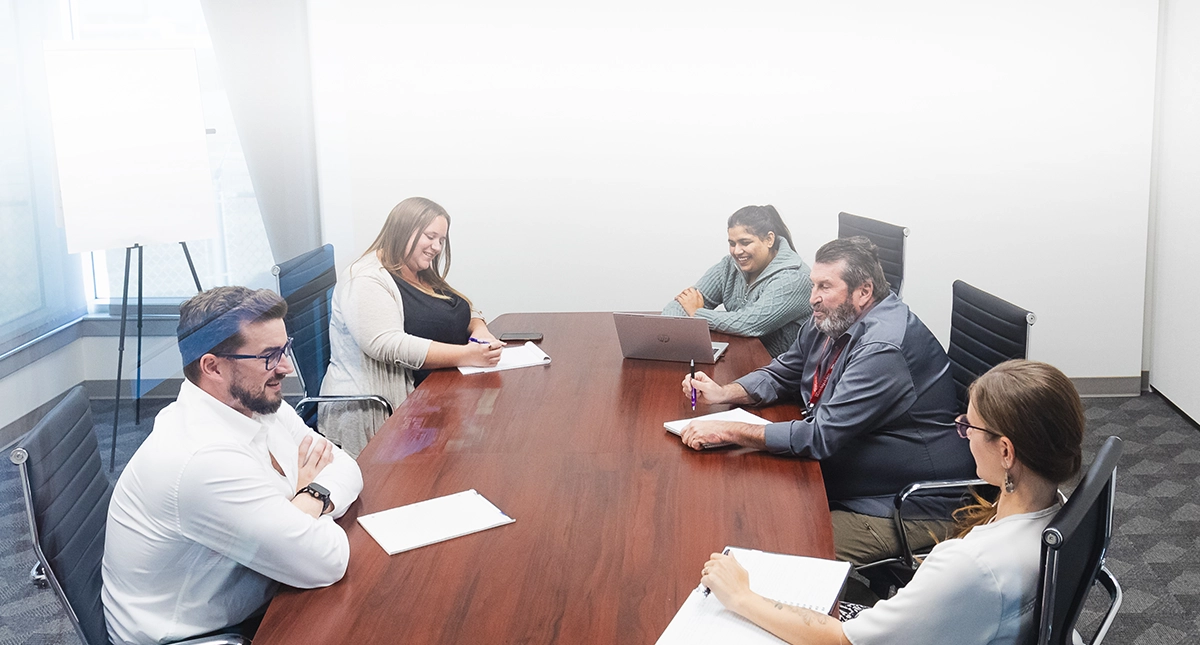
(813,583)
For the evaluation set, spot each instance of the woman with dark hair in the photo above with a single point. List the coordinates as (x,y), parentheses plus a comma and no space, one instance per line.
(394,318)
(1025,424)
(763,283)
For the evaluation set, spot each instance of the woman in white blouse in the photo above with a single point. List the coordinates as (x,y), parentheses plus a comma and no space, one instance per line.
(394,317)
(1025,424)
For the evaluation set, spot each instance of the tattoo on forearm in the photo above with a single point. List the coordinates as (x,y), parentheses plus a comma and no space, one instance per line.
(807,615)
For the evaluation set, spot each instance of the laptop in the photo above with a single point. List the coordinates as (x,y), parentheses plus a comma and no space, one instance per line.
(666,338)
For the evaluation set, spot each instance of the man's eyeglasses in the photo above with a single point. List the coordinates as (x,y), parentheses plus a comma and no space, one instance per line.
(271,358)
(962,426)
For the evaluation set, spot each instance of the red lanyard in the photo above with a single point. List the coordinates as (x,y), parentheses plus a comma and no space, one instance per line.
(819,382)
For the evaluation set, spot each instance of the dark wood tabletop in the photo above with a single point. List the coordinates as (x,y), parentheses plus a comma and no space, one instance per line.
(614,516)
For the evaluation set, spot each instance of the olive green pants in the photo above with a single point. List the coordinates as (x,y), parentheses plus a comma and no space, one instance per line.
(861,538)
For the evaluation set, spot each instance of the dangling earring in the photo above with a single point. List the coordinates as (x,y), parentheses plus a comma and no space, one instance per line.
(1009,486)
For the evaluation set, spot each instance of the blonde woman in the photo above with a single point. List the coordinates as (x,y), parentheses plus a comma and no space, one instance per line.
(395,318)
(1025,424)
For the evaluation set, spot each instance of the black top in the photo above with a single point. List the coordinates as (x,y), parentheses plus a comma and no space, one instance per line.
(438,319)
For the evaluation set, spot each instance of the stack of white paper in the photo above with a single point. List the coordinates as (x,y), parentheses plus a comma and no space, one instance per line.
(434,520)
(526,355)
(736,414)
(796,580)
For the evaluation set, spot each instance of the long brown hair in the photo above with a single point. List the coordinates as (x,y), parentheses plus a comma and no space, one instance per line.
(408,219)
(1037,407)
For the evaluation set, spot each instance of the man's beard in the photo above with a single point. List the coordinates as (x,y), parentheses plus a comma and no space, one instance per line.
(838,320)
(259,403)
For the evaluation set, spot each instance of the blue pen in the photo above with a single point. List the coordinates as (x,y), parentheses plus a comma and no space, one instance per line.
(693,386)
(476,340)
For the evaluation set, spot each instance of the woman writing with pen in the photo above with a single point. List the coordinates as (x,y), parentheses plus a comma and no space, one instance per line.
(394,319)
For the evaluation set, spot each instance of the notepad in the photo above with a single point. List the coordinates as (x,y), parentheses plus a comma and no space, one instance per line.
(814,583)
(736,414)
(434,520)
(511,358)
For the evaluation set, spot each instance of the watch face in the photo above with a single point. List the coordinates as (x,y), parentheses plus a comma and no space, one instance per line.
(319,488)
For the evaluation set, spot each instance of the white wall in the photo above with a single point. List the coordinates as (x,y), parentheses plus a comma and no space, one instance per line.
(589,158)
(1175,301)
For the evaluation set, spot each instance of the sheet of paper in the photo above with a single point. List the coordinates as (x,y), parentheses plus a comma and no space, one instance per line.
(736,414)
(526,355)
(703,619)
(434,520)
(814,583)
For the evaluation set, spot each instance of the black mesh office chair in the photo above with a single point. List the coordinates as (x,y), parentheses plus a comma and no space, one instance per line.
(66,496)
(984,332)
(306,282)
(888,237)
(1074,546)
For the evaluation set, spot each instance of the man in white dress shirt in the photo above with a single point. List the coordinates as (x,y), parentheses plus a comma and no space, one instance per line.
(231,494)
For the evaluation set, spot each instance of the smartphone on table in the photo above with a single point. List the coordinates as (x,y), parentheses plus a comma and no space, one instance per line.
(520,336)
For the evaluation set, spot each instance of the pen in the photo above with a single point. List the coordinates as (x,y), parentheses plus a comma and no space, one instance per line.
(693,385)
(476,340)
(706,589)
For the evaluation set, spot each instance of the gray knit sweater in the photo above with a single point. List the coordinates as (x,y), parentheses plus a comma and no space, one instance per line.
(772,308)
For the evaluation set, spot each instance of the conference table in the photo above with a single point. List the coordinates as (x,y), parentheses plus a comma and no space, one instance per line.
(614,516)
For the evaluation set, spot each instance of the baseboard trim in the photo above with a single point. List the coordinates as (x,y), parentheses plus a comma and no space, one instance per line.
(1094,386)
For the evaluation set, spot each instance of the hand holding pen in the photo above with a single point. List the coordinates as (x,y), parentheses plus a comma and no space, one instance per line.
(482,353)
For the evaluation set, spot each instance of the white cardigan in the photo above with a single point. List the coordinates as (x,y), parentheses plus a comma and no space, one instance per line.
(369,353)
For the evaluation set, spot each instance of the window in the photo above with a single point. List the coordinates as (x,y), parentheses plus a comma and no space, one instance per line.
(240,254)
(39,283)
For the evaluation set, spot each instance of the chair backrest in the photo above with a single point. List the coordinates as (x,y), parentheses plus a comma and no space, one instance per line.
(66,494)
(1073,548)
(888,237)
(306,282)
(984,332)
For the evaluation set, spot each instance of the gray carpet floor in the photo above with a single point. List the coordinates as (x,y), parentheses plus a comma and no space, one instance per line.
(1155,551)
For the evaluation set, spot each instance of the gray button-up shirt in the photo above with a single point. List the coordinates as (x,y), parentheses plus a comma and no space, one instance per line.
(886,417)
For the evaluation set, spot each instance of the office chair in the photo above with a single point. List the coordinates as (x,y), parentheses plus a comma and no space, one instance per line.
(984,332)
(66,496)
(1074,546)
(306,282)
(888,237)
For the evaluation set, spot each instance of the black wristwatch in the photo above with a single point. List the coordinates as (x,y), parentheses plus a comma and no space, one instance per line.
(320,492)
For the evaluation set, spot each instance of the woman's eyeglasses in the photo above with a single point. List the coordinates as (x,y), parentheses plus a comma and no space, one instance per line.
(962,426)
(273,357)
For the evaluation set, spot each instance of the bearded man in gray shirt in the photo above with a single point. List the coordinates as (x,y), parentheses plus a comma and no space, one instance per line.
(879,403)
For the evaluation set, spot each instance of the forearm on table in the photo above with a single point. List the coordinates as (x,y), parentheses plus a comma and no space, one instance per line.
(795,625)
(445,355)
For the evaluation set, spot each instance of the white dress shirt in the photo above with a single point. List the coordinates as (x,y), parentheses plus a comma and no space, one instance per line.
(201,528)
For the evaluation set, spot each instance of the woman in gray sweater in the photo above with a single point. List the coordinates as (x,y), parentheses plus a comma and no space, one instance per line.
(763,283)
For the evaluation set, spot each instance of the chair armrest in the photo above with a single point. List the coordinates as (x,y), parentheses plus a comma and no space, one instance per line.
(219,639)
(333,398)
(906,554)
(1110,584)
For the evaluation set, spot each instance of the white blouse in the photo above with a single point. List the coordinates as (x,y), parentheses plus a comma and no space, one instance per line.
(978,589)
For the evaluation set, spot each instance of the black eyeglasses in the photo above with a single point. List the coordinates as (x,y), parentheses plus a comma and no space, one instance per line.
(271,358)
(962,426)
